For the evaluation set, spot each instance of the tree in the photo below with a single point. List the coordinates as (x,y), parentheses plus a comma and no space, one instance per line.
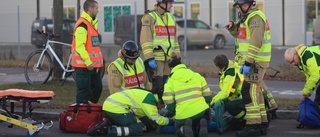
(57,23)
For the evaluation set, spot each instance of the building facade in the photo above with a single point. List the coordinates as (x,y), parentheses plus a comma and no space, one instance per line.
(291,21)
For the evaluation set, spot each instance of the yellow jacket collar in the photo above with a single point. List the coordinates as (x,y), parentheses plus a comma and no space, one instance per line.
(300,48)
(178,67)
(86,16)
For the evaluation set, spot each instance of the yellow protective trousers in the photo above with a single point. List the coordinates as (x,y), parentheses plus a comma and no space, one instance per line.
(253,99)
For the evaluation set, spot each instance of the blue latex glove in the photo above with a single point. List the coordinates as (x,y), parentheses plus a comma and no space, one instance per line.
(152,64)
(245,70)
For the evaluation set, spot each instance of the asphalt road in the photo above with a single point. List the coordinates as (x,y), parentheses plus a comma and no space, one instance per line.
(277,128)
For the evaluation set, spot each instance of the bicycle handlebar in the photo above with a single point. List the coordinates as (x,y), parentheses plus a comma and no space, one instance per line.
(48,35)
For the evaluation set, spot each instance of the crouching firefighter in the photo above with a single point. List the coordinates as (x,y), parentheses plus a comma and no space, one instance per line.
(127,71)
(124,108)
(158,42)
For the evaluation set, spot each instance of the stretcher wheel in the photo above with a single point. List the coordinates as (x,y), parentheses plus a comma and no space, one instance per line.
(32,135)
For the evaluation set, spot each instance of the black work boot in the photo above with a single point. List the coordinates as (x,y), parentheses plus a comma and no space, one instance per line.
(100,128)
(203,131)
(263,128)
(187,128)
(249,130)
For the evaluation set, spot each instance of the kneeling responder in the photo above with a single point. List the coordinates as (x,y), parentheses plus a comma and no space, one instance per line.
(124,108)
(187,96)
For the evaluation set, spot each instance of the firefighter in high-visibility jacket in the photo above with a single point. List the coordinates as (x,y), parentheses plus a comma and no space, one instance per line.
(253,33)
(124,108)
(240,56)
(87,59)
(230,82)
(187,97)
(307,59)
(128,70)
(158,42)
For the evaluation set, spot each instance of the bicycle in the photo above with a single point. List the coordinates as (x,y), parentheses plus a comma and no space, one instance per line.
(39,64)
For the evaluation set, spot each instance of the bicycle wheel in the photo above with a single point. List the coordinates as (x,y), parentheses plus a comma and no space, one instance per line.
(38,74)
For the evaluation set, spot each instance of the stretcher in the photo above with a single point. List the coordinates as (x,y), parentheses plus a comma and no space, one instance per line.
(24,120)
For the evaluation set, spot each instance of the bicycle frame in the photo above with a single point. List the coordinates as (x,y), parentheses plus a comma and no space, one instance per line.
(48,48)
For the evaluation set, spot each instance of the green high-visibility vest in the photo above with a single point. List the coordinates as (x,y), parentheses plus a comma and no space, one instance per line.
(140,102)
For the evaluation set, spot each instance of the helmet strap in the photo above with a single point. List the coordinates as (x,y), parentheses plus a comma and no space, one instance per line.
(245,13)
(125,65)
(165,9)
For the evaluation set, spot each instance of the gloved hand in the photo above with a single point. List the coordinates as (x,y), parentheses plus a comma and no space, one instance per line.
(152,64)
(245,70)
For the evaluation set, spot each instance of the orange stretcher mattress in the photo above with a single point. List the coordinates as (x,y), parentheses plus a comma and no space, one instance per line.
(26,93)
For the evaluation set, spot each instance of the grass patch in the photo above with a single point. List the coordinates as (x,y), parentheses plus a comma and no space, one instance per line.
(11,63)
(64,94)
(287,72)
(288,103)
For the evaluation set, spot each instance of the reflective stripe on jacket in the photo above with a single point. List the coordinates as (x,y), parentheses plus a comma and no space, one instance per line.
(161,37)
(137,101)
(188,91)
(242,42)
(92,46)
(129,79)
(230,83)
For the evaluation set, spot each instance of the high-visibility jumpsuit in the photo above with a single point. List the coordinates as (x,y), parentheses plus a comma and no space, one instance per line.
(187,96)
(125,107)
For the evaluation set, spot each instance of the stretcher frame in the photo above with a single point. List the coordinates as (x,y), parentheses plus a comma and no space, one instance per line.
(24,120)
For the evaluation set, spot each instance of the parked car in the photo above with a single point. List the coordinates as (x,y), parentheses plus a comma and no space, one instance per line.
(316,32)
(199,34)
(39,24)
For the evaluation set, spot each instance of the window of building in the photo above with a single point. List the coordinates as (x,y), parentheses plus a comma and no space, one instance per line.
(69,13)
(178,10)
(313,11)
(195,10)
(111,13)
(233,12)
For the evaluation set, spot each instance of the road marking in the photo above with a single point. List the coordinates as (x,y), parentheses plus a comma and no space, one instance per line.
(3,74)
(287,92)
(308,132)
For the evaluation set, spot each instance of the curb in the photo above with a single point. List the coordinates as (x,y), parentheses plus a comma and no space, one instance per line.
(287,114)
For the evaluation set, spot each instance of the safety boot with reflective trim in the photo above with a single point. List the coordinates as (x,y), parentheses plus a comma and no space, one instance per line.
(203,131)
(249,130)
(100,128)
